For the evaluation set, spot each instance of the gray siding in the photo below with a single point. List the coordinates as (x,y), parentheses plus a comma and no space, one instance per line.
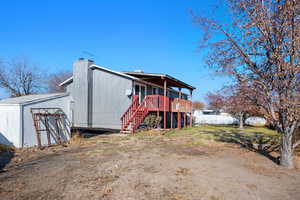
(10,125)
(28,130)
(109,99)
(69,88)
(81,93)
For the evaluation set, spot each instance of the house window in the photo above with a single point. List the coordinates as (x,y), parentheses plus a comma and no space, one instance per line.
(137,89)
(154,90)
(140,91)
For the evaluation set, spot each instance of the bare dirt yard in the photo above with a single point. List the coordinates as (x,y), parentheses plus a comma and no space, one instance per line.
(206,163)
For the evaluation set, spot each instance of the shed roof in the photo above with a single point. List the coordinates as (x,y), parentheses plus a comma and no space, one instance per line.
(31,98)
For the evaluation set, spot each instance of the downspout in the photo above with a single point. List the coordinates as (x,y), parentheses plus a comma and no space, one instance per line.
(165,103)
(22,125)
(191,114)
(90,97)
(132,91)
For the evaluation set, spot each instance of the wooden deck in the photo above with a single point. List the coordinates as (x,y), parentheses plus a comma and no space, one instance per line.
(157,103)
(136,112)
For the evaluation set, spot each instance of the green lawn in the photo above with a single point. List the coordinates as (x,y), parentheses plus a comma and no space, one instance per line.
(229,134)
(232,134)
(213,129)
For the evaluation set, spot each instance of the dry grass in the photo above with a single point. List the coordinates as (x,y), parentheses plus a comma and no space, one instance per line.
(183,171)
(216,198)
(229,134)
(76,139)
(211,130)
(192,163)
(5,148)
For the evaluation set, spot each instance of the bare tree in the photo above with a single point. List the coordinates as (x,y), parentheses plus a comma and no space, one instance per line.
(198,105)
(261,47)
(215,101)
(238,102)
(20,77)
(55,79)
(234,99)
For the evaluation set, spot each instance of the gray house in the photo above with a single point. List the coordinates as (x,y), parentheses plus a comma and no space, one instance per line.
(96,98)
(108,99)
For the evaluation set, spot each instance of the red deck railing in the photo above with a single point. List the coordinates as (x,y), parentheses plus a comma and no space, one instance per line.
(129,112)
(136,112)
(181,105)
(156,103)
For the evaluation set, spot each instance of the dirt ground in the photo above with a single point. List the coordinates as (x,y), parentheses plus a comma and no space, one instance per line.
(120,167)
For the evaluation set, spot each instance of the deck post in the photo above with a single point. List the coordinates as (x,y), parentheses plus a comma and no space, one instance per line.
(191,112)
(184,120)
(165,103)
(178,120)
(179,95)
(171,120)
(178,112)
(157,117)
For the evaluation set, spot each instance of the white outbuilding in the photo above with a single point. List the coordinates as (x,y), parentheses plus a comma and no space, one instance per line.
(16,123)
(211,117)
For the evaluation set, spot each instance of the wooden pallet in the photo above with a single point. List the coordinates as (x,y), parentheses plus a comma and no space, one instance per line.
(51,122)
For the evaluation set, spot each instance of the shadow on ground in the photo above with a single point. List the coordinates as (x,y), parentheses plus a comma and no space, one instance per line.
(86,133)
(258,142)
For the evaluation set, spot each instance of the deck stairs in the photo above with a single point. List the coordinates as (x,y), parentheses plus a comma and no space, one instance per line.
(134,115)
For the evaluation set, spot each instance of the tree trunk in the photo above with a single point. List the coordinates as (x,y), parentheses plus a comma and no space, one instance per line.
(241,120)
(286,150)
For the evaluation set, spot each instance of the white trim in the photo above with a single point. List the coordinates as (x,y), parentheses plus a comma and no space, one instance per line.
(36,100)
(161,75)
(112,71)
(145,74)
(66,81)
(21,126)
(93,66)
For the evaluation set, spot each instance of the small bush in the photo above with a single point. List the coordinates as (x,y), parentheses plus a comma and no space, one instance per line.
(152,121)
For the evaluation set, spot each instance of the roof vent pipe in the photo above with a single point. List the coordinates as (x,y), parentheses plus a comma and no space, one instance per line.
(138,71)
(81,59)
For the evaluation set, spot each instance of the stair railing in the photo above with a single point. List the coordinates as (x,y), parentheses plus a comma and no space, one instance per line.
(140,113)
(125,119)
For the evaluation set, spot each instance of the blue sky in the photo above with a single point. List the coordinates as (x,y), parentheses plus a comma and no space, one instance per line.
(155,36)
